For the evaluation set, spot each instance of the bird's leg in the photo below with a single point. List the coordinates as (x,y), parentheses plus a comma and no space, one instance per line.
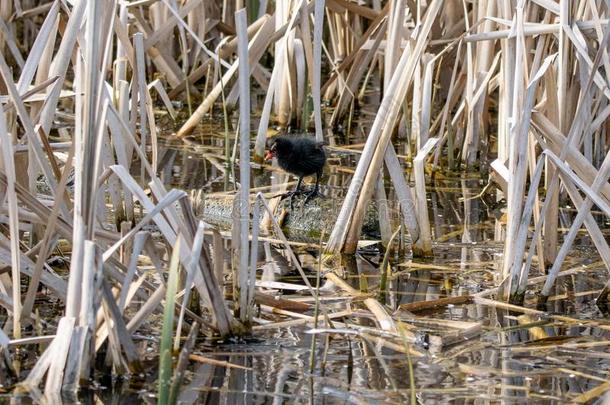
(316,190)
(298,187)
(297,190)
(294,192)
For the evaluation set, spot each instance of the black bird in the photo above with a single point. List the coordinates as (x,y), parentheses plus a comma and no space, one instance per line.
(301,156)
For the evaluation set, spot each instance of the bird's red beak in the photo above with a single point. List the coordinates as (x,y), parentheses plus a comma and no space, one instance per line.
(269,155)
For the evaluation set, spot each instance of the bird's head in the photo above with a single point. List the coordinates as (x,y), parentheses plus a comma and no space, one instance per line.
(272,151)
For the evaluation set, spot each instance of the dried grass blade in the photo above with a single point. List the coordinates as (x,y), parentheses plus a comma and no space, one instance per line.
(8,163)
(165,351)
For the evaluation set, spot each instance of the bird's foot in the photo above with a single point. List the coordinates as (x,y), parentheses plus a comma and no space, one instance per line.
(291,194)
(312,194)
(287,194)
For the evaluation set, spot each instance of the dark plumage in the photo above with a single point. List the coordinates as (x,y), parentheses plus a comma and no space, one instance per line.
(301,156)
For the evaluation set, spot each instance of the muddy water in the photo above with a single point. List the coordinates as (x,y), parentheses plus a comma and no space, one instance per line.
(511,359)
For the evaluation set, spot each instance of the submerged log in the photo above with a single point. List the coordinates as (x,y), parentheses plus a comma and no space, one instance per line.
(305,223)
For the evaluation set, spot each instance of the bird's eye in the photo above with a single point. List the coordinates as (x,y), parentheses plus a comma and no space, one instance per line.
(273,147)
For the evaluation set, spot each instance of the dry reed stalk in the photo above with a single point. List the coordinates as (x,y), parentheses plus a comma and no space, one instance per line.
(575,134)
(8,165)
(34,141)
(355,8)
(160,57)
(349,59)
(425,237)
(275,84)
(517,163)
(445,115)
(595,232)
(255,50)
(383,318)
(60,63)
(7,35)
(136,250)
(146,310)
(120,63)
(225,322)
(251,294)
(345,233)
(46,240)
(281,99)
(169,199)
(40,49)
(551,221)
(123,351)
(518,230)
(359,68)
(556,140)
(78,364)
(299,88)
(383,214)
(140,82)
(210,291)
(405,199)
(395,34)
(246,273)
(58,355)
(261,136)
(306,39)
(416,102)
(426,108)
(226,49)
(479,66)
(165,28)
(532,29)
(592,193)
(318,28)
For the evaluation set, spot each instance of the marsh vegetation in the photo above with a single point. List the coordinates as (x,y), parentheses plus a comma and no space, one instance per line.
(458,250)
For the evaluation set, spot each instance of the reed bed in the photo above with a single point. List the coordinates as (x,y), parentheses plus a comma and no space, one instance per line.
(516,91)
